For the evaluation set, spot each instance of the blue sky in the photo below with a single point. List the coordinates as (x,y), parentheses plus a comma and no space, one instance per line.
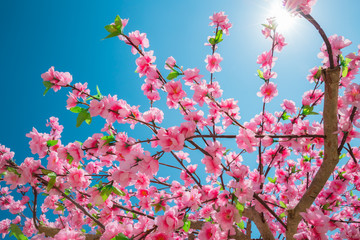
(67,35)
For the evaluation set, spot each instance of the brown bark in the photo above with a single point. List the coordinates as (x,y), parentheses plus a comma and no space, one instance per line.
(331,157)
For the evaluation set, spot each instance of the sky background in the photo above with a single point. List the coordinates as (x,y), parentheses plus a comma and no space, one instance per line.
(67,35)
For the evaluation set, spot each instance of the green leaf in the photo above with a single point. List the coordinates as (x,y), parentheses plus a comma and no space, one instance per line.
(16,232)
(51,143)
(110,28)
(52,181)
(114,34)
(106,191)
(208,219)
(60,207)
(342,156)
(318,74)
(83,116)
(240,207)
(241,224)
(345,71)
(308,110)
(118,191)
(186,226)
(212,41)
(351,193)
(70,158)
(260,74)
(326,207)
(282,204)
(282,215)
(47,85)
(45,171)
(120,236)
(118,22)
(108,139)
(218,37)
(272,180)
(172,75)
(77,109)
(285,116)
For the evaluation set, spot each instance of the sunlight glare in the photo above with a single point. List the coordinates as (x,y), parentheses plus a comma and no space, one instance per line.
(283,18)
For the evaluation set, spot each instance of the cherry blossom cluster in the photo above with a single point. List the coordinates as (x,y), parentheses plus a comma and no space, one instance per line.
(109,185)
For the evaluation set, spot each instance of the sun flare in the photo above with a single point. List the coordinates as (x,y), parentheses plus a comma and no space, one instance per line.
(282,17)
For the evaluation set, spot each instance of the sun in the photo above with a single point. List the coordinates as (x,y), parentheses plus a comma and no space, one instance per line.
(283,18)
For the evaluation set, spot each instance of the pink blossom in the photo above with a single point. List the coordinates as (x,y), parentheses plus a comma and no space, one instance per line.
(71,101)
(289,106)
(266,60)
(137,39)
(27,169)
(352,95)
(311,97)
(227,216)
(59,79)
(144,64)
(220,20)
(192,76)
(212,165)
(171,139)
(304,5)
(170,63)
(317,220)
(66,234)
(170,221)
(5,227)
(74,149)
(268,91)
(209,232)
(56,128)
(213,62)
(337,43)
(29,227)
(77,178)
(124,178)
(247,140)
(175,92)
(81,91)
(279,42)
(38,143)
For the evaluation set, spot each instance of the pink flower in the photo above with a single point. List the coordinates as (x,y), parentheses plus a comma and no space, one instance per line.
(66,234)
(311,97)
(289,106)
(138,40)
(5,227)
(77,178)
(59,79)
(124,178)
(337,43)
(266,60)
(303,5)
(213,62)
(247,140)
(280,42)
(352,95)
(153,115)
(209,232)
(27,169)
(191,76)
(268,91)
(170,221)
(175,92)
(71,101)
(111,230)
(144,64)
(227,216)
(221,20)
(171,139)
(212,165)
(170,63)
(81,90)
(38,143)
